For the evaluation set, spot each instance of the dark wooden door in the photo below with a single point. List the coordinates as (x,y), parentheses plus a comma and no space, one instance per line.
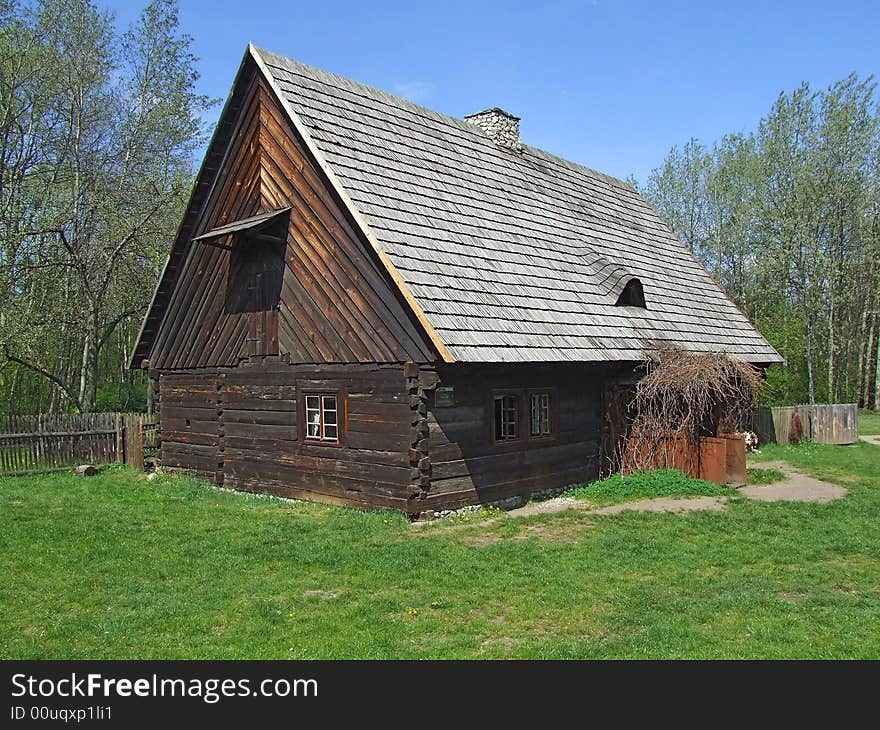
(617,415)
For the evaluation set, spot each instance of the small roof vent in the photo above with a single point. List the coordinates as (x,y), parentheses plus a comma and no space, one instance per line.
(633,295)
(613,280)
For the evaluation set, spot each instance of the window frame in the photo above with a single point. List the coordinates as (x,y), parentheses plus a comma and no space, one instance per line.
(330,391)
(551,412)
(499,394)
(524,417)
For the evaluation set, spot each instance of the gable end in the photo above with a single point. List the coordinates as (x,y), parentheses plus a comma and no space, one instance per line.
(338,301)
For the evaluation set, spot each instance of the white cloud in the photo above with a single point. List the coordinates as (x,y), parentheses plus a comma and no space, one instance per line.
(414,90)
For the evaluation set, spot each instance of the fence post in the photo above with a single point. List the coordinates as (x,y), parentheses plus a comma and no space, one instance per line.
(120,442)
(134,442)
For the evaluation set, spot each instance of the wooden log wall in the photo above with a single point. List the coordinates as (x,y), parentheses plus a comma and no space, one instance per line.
(419,458)
(244,426)
(190,423)
(468,467)
(241,427)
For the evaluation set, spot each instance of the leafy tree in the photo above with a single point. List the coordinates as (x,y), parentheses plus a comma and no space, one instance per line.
(786,220)
(99,130)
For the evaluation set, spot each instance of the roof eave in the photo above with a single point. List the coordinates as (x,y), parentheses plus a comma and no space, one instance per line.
(136,352)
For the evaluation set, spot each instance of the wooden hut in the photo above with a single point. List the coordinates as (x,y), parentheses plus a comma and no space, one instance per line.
(374,304)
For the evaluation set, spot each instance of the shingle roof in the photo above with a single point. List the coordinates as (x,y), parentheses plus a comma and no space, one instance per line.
(511,256)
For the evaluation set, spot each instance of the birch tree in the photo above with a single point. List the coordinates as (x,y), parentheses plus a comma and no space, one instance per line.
(107,167)
(785,218)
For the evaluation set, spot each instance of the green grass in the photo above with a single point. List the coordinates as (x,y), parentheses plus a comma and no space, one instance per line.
(869,422)
(646,485)
(755,475)
(120,567)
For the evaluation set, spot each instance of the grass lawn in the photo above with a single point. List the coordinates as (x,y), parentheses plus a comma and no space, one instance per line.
(646,485)
(869,422)
(120,567)
(757,475)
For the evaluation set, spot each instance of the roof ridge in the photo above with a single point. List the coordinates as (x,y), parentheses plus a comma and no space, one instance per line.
(346,81)
(459,121)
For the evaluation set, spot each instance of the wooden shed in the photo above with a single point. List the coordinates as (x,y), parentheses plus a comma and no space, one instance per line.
(374,304)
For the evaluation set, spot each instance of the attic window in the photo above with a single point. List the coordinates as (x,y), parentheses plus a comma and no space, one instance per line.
(256,272)
(633,295)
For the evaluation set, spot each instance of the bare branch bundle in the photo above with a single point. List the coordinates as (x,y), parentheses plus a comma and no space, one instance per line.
(684,396)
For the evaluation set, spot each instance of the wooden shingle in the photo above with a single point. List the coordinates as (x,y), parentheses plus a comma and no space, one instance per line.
(511,256)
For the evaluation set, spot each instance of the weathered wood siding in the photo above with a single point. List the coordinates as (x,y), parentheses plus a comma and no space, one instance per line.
(836,423)
(190,423)
(468,467)
(241,427)
(197,331)
(245,424)
(336,303)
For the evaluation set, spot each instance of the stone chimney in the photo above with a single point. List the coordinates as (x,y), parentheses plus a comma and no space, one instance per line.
(502,128)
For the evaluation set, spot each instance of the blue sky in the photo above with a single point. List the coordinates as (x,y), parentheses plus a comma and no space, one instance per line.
(611,85)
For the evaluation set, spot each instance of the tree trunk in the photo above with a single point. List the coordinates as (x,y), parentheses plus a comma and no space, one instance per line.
(811,383)
(831,347)
(92,392)
(12,391)
(877,374)
(88,379)
(84,364)
(94,336)
(865,350)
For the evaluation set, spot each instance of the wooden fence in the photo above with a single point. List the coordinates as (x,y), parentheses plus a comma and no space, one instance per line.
(36,444)
(825,424)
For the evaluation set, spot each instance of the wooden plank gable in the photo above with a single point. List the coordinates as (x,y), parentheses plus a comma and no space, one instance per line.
(336,298)
(197,331)
(336,302)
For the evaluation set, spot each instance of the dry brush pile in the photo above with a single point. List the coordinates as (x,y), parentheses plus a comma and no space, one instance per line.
(687,395)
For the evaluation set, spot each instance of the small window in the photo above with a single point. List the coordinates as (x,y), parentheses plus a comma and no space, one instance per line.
(633,295)
(322,422)
(506,417)
(540,414)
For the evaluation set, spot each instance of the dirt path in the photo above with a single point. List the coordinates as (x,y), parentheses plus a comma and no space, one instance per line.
(797,487)
(665,504)
(548,507)
(658,504)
